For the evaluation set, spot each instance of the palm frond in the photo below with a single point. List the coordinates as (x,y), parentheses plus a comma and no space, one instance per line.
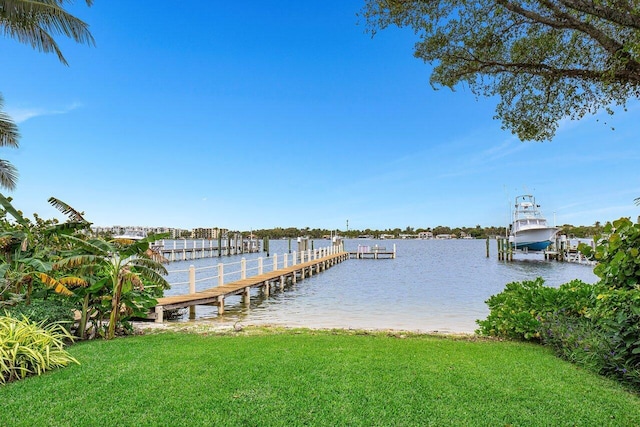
(9,134)
(35,22)
(8,175)
(66,209)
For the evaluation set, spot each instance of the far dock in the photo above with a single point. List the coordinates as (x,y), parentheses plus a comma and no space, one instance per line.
(373,252)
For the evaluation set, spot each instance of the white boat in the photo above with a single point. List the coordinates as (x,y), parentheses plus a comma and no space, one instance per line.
(131,235)
(529,230)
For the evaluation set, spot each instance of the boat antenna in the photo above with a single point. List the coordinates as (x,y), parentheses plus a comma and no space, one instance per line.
(506,227)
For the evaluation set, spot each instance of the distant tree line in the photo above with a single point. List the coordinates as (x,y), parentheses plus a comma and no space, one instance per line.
(476,232)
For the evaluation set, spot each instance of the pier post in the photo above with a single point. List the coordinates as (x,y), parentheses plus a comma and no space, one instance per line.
(159,313)
(285,260)
(266,288)
(221,304)
(243,268)
(192,290)
(289,244)
(220,274)
(259,265)
(282,283)
(275,262)
(219,243)
(246,295)
(294,258)
(487,247)
(192,279)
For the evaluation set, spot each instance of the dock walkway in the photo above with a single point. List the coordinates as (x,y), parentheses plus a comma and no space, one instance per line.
(282,276)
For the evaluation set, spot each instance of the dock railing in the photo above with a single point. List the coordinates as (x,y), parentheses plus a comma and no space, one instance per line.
(202,278)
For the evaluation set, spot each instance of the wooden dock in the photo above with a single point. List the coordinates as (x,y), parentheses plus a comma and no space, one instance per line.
(318,261)
(373,252)
(183,249)
(561,250)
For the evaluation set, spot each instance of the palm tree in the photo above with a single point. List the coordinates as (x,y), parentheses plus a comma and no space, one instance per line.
(36,22)
(8,138)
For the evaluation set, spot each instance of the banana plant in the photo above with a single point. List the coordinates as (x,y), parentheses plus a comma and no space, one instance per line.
(122,268)
(27,250)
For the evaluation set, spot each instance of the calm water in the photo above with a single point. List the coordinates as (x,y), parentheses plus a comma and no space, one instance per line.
(432,285)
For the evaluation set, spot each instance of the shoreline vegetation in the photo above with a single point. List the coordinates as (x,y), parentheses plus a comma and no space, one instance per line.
(277,233)
(291,376)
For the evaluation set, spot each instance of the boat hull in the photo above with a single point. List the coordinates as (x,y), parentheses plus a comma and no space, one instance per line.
(537,239)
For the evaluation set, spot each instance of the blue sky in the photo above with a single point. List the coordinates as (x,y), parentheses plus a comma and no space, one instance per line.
(260,114)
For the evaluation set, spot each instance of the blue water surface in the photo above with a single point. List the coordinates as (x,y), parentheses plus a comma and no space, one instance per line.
(432,285)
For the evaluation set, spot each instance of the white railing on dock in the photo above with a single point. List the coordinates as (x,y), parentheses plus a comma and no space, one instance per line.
(232,271)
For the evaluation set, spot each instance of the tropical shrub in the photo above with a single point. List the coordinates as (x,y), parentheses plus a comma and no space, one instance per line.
(28,348)
(518,310)
(617,313)
(514,311)
(577,339)
(53,310)
(595,326)
(604,338)
(617,252)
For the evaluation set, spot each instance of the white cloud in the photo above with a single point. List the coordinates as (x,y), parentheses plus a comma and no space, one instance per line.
(20,115)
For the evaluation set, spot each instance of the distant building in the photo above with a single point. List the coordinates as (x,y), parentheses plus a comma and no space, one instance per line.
(425,235)
(117,230)
(408,236)
(205,233)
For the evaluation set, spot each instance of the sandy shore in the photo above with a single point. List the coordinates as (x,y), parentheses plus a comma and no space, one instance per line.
(204,326)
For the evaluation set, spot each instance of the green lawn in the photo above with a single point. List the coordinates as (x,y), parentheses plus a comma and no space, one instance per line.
(293,378)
